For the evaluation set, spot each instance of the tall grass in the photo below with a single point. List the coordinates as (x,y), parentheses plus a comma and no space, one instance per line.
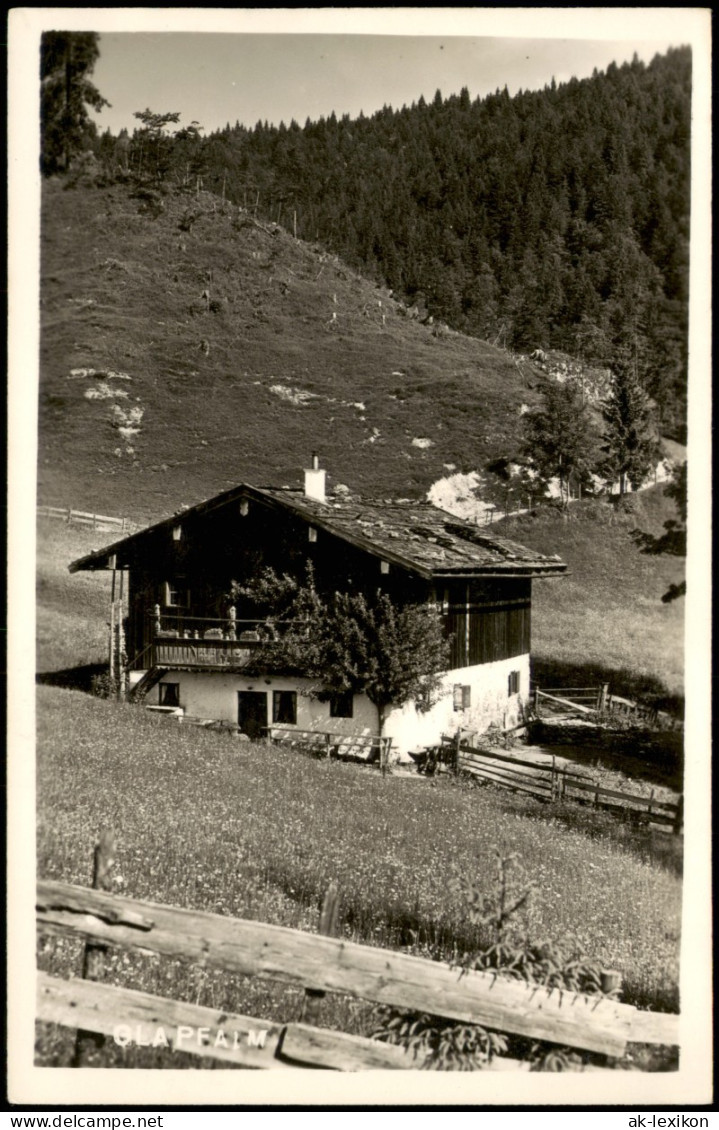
(209,823)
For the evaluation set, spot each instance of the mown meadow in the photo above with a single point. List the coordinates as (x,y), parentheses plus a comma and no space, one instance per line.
(207,822)
(605,621)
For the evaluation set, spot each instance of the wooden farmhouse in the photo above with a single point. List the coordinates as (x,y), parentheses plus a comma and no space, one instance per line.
(187,648)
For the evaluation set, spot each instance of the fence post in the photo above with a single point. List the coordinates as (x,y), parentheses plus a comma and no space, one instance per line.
(457,748)
(121,655)
(610,981)
(328,927)
(602,697)
(384,748)
(536,701)
(554,787)
(328,743)
(112,645)
(679,817)
(88,1043)
(232,623)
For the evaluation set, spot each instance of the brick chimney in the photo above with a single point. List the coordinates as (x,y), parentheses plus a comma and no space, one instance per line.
(315,480)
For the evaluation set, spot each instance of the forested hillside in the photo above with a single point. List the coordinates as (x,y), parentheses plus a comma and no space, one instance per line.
(555,219)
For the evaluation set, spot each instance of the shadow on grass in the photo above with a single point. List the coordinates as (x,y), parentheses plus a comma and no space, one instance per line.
(72,678)
(644,689)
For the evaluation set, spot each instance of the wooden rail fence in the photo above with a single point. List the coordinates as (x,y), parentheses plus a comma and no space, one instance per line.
(568,702)
(318,963)
(83,518)
(364,747)
(552,781)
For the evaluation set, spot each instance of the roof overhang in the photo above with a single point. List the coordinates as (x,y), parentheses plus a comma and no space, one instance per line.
(528,571)
(119,553)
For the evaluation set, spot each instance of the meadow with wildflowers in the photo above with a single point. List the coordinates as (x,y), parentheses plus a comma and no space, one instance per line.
(207,822)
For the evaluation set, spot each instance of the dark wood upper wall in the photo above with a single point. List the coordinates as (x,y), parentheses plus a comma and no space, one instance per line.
(486,620)
(215,549)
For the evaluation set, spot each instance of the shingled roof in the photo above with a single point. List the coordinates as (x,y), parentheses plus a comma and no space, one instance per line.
(416,535)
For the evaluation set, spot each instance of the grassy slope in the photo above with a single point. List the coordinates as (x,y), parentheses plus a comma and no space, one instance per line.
(72,609)
(394,845)
(123,291)
(606,621)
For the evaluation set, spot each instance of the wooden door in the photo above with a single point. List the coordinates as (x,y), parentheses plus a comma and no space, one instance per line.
(252,713)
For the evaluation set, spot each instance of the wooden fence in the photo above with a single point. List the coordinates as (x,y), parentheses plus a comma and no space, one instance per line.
(320,964)
(573,702)
(83,518)
(555,782)
(363,747)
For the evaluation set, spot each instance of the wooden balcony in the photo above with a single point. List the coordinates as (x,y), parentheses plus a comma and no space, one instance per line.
(186,642)
(179,652)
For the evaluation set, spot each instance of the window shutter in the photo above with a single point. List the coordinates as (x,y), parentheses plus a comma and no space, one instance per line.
(466,698)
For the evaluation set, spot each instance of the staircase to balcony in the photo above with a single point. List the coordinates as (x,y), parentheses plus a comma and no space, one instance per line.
(150,679)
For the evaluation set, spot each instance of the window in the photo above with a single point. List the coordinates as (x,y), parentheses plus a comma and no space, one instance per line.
(284,707)
(169,694)
(462,697)
(341,705)
(177,595)
(513,683)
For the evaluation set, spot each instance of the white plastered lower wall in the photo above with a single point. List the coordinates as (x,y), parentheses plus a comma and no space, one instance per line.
(489,704)
(213,695)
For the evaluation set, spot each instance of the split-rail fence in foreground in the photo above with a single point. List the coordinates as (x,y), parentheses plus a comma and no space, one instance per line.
(318,963)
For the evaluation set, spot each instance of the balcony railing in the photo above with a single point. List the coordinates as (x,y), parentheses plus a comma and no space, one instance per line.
(179,640)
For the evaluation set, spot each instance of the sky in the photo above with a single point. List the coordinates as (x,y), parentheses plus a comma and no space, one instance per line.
(220,78)
(216,66)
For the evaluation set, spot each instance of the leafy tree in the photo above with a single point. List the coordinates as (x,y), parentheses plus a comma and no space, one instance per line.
(347,642)
(392,654)
(560,440)
(67,59)
(630,432)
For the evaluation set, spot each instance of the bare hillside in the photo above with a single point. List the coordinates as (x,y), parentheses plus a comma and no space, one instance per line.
(185,347)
